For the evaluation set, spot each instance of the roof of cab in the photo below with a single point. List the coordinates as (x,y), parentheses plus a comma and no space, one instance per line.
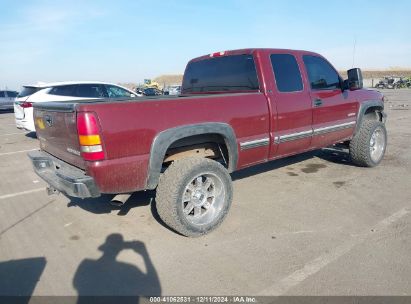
(251,51)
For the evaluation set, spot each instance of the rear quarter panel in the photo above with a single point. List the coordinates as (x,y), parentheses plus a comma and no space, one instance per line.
(129,128)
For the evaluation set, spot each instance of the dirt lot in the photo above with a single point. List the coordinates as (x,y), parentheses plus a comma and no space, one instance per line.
(307,225)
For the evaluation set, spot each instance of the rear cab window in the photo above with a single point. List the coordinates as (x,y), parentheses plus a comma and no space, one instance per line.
(27,91)
(221,74)
(321,75)
(287,73)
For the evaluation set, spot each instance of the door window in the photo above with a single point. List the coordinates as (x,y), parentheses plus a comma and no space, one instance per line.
(287,74)
(321,74)
(65,90)
(90,91)
(117,92)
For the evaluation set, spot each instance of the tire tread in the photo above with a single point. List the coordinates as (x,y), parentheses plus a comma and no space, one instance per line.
(359,145)
(170,183)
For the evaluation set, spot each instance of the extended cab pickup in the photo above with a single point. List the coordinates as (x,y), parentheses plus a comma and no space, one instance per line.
(236,109)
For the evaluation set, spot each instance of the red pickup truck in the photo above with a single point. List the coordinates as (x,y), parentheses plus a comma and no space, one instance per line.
(236,109)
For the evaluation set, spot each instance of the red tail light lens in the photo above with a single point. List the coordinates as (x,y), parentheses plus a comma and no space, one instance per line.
(89,136)
(26,104)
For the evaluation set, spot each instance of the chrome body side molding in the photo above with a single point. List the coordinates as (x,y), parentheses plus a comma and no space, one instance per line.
(334,128)
(295,136)
(313,132)
(254,143)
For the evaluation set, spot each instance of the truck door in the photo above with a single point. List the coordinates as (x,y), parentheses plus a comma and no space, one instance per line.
(334,110)
(294,118)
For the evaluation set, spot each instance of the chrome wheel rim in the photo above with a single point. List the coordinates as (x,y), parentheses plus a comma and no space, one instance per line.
(203,199)
(377,145)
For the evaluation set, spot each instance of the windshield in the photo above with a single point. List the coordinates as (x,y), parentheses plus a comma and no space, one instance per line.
(221,74)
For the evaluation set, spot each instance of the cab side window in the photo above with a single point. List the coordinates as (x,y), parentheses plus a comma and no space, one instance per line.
(90,91)
(321,74)
(286,72)
(64,90)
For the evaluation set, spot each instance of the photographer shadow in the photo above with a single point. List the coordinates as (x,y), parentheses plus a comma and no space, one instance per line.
(108,277)
(20,277)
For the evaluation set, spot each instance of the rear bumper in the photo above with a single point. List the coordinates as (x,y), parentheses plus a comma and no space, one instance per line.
(24,118)
(25,125)
(62,176)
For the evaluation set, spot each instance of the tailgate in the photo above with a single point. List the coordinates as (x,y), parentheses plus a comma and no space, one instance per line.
(57,131)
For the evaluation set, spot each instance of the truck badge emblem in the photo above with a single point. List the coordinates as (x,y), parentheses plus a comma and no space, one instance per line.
(48,120)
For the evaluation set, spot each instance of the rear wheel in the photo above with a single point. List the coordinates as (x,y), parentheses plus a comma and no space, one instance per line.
(367,148)
(194,196)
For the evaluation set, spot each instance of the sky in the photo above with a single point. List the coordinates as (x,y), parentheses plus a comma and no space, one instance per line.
(131,40)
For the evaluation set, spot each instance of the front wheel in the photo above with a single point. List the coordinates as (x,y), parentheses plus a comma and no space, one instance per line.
(367,148)
(194,196)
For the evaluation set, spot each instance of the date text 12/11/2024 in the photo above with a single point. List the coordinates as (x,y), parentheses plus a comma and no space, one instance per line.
(204,299)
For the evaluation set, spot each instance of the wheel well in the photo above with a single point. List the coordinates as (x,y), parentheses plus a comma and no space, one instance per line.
(373,113)
(203,145)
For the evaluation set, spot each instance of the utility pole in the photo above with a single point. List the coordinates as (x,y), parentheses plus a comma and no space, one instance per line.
(353,52)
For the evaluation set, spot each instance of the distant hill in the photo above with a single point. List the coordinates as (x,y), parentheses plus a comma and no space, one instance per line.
(165,80)
(130,85)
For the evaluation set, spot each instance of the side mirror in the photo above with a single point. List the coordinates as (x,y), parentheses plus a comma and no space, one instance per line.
(354,81)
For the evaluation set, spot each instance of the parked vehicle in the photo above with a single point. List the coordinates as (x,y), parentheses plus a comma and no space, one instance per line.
(172,90)
(139,92)
(403,82)
(386,83)
(7,99)
(237,109)
(151,92)
(62,91)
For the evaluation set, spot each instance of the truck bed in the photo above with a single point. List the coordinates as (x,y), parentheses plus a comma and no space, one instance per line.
(128,128)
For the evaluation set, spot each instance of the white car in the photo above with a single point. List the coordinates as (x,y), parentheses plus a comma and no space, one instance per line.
(173,90)
(7,99)
(61,91)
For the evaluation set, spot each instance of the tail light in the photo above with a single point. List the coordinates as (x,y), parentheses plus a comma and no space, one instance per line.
(26,104)
(89,136)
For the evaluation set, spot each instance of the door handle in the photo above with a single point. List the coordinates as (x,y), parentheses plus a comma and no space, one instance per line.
(318,102)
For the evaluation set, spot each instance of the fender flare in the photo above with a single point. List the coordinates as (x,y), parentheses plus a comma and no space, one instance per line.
(364,106)
(164,139)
